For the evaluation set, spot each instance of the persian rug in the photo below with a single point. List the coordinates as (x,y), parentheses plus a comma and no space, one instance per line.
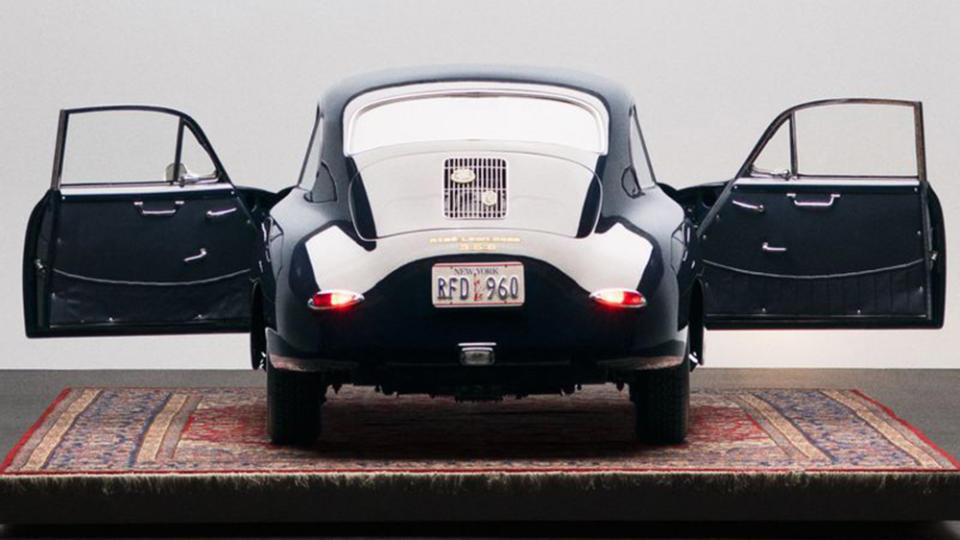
(158,431)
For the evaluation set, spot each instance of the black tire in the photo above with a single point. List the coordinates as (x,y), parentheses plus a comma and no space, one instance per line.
(293,406)
(661,401)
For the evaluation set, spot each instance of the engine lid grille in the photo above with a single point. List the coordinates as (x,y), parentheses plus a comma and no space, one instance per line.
(475,188)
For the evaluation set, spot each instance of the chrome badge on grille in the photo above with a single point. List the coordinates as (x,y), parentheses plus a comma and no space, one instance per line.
(489,198)
(463,176)
(475,188)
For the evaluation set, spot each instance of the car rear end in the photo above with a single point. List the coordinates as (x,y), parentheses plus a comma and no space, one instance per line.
(476,240)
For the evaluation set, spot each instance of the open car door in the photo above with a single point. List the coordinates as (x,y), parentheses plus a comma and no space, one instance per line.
(830,223)
(141,231)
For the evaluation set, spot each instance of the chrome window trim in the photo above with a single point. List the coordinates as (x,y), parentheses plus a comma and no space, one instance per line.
(634,126)
(869,181)
(139,189)
(376,98)
(316,142)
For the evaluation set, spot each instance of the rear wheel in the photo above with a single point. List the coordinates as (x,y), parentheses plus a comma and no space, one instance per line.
(661,400)
(293,405)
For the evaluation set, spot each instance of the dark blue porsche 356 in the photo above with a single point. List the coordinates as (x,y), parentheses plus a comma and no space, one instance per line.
(482,232)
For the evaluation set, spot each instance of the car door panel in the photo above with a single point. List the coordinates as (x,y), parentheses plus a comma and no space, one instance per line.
(139,259)
(865,229)
(822,252)
(92,225)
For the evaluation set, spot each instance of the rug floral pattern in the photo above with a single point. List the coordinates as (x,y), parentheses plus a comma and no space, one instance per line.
(183,430)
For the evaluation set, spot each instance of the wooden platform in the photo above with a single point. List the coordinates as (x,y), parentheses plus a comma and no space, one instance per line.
(382,489)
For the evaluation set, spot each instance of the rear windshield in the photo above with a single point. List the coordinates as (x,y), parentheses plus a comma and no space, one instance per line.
(477,116)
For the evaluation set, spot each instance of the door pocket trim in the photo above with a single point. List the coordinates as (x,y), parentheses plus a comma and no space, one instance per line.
(152,283)
(815,276)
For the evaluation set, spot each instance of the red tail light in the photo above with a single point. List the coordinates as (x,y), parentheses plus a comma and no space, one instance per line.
(334,300)
(619,298)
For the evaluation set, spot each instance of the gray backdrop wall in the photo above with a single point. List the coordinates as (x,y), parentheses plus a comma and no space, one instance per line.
(708,77)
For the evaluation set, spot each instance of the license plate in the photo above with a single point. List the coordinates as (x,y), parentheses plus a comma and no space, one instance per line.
(477,285)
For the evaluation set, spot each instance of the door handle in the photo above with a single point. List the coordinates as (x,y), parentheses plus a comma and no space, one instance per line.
(767,248)
(169,212)
(214,214)
(197,257)
(757,208)
(814,204)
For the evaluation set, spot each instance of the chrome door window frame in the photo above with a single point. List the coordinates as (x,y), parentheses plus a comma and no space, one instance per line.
(789,117)
(185,122)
